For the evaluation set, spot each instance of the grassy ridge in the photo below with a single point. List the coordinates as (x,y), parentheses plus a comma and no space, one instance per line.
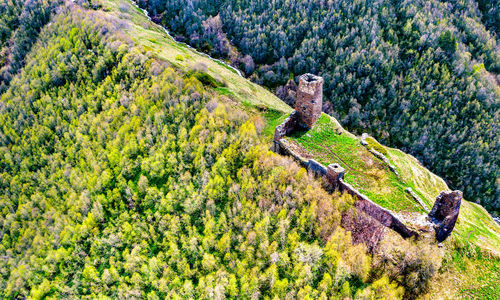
(144,183)
(329,143)
(152,38)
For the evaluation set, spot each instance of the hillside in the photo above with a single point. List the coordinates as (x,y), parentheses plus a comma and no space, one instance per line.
(132,166)
(424,182)
(328,143)
(419,75)
(126,176)
(153,39)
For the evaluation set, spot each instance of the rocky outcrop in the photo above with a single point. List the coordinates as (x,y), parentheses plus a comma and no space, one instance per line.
(309,99)
(445,212)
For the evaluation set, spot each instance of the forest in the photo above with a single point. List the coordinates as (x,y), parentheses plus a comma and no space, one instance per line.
(124,177)
(421,76)
(20,24)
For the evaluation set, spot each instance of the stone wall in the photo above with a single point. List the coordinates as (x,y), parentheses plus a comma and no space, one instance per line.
(286,127)
(309,99)
(445,212)
(365,227)
(377,212)
(334,178)
(417,198)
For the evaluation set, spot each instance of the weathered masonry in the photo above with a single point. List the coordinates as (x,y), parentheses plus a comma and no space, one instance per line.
(307,111)
(309,100)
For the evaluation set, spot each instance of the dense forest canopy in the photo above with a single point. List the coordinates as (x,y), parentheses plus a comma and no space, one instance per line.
(20,23)
(122,176)
(419,75)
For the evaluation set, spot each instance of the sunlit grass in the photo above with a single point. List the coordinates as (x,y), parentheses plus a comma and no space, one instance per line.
(329,143)
(153,38)
(372,177)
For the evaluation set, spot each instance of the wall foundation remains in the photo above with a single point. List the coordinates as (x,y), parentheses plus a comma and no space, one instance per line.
(307,112)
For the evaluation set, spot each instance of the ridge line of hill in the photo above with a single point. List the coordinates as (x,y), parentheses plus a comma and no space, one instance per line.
(146,13)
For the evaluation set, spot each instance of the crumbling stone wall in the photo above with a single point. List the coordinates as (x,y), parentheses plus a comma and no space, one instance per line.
(445,212)
(286,127)
(334,177)
(417,198)
(309,99)
(367,226)
(363,228)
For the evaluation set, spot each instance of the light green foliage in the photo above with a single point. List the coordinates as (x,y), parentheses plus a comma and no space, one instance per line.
(382,288)
(477,271)
(372,177)
(123,176)
(142,31)
(411,263)
(372,143)
(403,71)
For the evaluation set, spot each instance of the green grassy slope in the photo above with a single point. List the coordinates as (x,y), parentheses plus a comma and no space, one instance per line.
(474,225)
(124,180)
(128,178)
(365,171)
(329,143)
(153,38)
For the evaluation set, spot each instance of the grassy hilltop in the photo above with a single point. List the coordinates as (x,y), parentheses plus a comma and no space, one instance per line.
(329,143)
(153,38)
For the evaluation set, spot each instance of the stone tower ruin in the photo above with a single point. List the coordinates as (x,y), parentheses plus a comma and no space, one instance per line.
(309,100)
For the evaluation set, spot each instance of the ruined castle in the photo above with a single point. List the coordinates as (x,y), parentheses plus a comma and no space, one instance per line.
(368,225)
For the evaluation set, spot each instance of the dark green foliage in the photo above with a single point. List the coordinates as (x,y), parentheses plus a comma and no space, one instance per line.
(490,10)
(206,79)
(448,42)
(405,71)
(20,24)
